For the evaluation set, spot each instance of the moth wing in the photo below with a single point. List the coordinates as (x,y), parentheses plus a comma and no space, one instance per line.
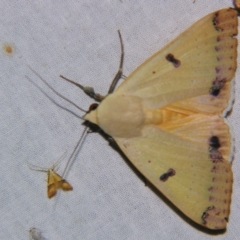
(189,169)
(65,186)
(189,80)
(61,183)
(198,65)
(181,144)
(53,183)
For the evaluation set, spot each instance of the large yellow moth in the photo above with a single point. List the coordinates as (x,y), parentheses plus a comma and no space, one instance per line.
(167,117)
(54,180)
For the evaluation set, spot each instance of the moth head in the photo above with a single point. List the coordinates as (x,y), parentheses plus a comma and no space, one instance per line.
(91,114)
(118,115)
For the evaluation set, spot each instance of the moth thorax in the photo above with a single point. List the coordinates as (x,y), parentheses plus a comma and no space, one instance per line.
(121,115)
(153,116)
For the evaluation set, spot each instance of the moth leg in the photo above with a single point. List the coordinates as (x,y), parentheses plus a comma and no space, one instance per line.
(90,91)
(124,77)
(112,143)
(120,69)
(97,130)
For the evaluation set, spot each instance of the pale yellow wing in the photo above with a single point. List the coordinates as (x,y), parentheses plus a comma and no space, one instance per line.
(199,62)
(166,118)
(188,166)
(186,154)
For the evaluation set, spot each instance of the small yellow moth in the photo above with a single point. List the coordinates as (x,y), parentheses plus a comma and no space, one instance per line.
(35,234)
(168,118)
(54,180)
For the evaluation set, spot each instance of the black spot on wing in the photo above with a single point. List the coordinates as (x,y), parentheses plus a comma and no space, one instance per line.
(164,177)
(214,142)
(217,85)
(214,145)
(215,22)
(206,214)
(170,57)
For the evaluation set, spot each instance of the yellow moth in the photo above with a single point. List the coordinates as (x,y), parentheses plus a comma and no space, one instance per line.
(54,180)
(167,117)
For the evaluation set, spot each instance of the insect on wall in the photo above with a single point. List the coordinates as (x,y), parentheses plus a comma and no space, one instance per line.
(168,118)
(54,180)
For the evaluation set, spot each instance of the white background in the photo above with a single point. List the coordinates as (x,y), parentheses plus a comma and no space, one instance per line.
(79,40)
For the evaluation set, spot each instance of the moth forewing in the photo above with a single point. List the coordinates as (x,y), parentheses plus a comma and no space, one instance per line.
(167,118)
(55,182)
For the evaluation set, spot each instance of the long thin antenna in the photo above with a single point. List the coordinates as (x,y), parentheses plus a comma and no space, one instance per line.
(74,150)
(41,169)
(53,101)
(71,81)
(57,93)
(90,91)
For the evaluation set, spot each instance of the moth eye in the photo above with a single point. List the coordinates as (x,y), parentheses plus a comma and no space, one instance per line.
(92,107)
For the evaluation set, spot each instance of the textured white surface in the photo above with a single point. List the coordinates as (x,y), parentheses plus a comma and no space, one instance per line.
(79,40)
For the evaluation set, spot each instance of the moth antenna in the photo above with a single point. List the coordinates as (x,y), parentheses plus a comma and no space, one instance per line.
(34,167)
(88,90)
(74,150)
(53,101)
(120,69)
(41,169)
(59,160)
(57,93)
